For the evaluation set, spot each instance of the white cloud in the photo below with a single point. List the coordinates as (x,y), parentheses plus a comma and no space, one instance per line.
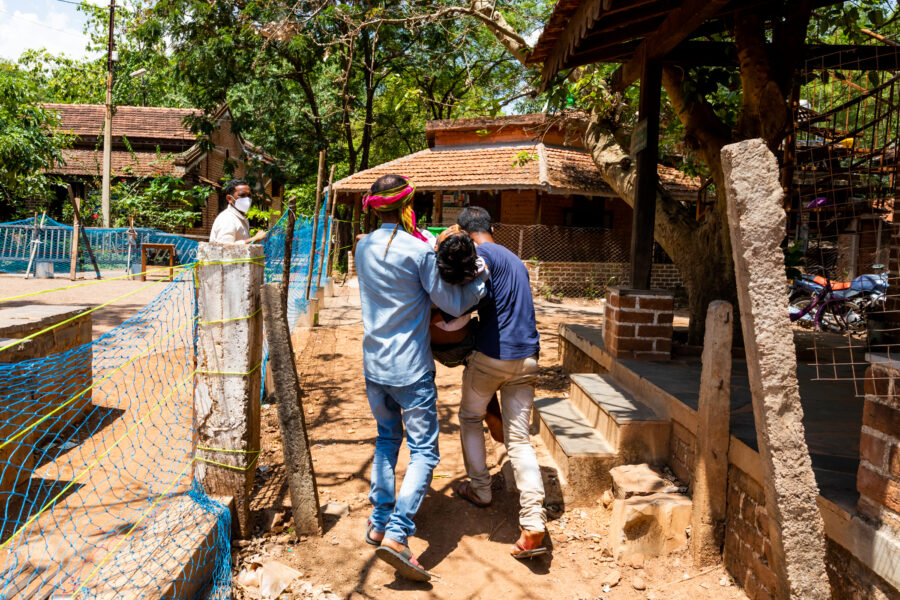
(59,30)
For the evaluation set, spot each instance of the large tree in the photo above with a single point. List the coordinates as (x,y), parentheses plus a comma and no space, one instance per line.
(27,143)
(715,107)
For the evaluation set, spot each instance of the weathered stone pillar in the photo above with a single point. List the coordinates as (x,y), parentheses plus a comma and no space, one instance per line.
(638,323)
(227,385)
(756,220)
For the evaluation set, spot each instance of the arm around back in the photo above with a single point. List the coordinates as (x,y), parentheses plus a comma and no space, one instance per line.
(454,299)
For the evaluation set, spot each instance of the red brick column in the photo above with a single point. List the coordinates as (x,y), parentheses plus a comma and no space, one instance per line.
(878,479)
(638,323)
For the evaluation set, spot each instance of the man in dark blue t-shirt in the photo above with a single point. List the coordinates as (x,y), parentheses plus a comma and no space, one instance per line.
(505,359)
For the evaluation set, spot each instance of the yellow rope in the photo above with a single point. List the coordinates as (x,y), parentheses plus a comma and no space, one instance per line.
(250,316)
(78,285)
(78,316)
(92,386)
(133,527)
(199,372)
(233,467)
(75,480)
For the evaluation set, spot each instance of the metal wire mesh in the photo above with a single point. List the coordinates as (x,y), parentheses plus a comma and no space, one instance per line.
(50,241)
(842,166)
(97,496)
(580,261)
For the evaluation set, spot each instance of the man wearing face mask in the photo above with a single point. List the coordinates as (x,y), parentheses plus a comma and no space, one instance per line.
(231,226)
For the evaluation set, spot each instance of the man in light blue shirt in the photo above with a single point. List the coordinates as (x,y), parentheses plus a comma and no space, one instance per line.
(398,281)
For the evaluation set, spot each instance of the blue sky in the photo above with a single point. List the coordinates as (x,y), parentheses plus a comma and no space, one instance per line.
(51,24)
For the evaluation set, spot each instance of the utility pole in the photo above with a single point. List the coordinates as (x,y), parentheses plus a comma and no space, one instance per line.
(107,127)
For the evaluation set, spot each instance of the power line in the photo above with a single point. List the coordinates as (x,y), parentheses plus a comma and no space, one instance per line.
(39,24)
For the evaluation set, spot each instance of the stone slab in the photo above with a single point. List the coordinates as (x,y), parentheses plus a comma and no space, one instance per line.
(653,525)
(639,480)
(582,455)
(634,430)
(22,321)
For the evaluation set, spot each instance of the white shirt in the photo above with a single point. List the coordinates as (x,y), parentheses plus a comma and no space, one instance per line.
(230,227)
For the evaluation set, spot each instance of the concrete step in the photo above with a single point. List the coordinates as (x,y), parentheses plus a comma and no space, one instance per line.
(635,432)
(582,455)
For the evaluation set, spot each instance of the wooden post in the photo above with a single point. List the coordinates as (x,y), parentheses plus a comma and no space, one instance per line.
(713,418)
(756,221)
(357,209)
(336,230)
(315,224)
(301,477)
(326,238)
(76,231)
(84,237)
(645,142)
(290,222)
(227,385)
(439,208)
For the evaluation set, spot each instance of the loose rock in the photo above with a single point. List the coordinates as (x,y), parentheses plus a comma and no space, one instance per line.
(638,584)
(611,578)
(637,561)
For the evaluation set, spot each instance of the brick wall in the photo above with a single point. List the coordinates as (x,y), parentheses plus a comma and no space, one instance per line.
(682,449)
(518,208)
(638,324)
(878,479)
(36,389)
(591,278)
(748,554)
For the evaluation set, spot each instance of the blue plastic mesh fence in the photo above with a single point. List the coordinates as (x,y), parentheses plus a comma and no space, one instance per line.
(51,241)
(97,496)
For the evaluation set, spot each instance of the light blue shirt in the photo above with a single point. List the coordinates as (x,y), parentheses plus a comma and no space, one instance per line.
(396,292)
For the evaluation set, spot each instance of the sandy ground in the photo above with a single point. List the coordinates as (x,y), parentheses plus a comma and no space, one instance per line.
(465,547)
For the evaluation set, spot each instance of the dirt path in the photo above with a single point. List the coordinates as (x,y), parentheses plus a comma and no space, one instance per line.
(464,546)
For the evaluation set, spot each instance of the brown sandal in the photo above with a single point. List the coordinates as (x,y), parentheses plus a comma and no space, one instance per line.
(464,491)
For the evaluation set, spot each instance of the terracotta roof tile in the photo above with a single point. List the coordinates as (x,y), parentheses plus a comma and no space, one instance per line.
(497,166)
(494,166)
(124,164)
(86,120)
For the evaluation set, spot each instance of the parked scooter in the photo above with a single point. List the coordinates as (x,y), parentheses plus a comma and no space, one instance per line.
(839,307)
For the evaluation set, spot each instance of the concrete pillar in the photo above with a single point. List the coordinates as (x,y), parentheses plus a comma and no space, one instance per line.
(756,220)
(710,480)
(227,386)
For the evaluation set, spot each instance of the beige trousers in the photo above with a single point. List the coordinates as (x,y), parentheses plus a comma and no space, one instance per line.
(515,380)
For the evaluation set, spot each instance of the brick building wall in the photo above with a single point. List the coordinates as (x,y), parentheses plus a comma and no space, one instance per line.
(592,279)
(878,479)
(519,208)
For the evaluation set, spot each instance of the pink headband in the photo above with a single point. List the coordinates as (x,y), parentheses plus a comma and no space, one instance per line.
(379,201)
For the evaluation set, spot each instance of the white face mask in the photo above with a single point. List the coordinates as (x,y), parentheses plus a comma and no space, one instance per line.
(242,204)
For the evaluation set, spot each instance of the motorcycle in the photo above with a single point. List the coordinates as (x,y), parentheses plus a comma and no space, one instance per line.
(839,307)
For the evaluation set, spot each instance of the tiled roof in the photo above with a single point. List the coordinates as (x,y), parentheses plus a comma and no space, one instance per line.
(124,164)
(489,166)
(554,169)
(528,120)
(86,121)
(679,184)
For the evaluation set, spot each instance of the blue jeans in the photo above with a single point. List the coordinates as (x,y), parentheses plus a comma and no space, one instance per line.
(414,406)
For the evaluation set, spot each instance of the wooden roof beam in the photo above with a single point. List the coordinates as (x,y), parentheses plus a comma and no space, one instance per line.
(677,27)
(638,29)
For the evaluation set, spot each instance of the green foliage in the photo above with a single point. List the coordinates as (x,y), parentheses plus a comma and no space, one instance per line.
(165,203)
(26,148)
(523,158)
(794,258)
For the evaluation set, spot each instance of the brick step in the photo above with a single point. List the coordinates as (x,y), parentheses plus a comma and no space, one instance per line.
(635,432)
(582,455)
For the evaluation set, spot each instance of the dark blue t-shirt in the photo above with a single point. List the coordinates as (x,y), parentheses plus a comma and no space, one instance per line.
(507,328)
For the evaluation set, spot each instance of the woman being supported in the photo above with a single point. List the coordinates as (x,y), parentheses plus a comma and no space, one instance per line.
(452,339)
